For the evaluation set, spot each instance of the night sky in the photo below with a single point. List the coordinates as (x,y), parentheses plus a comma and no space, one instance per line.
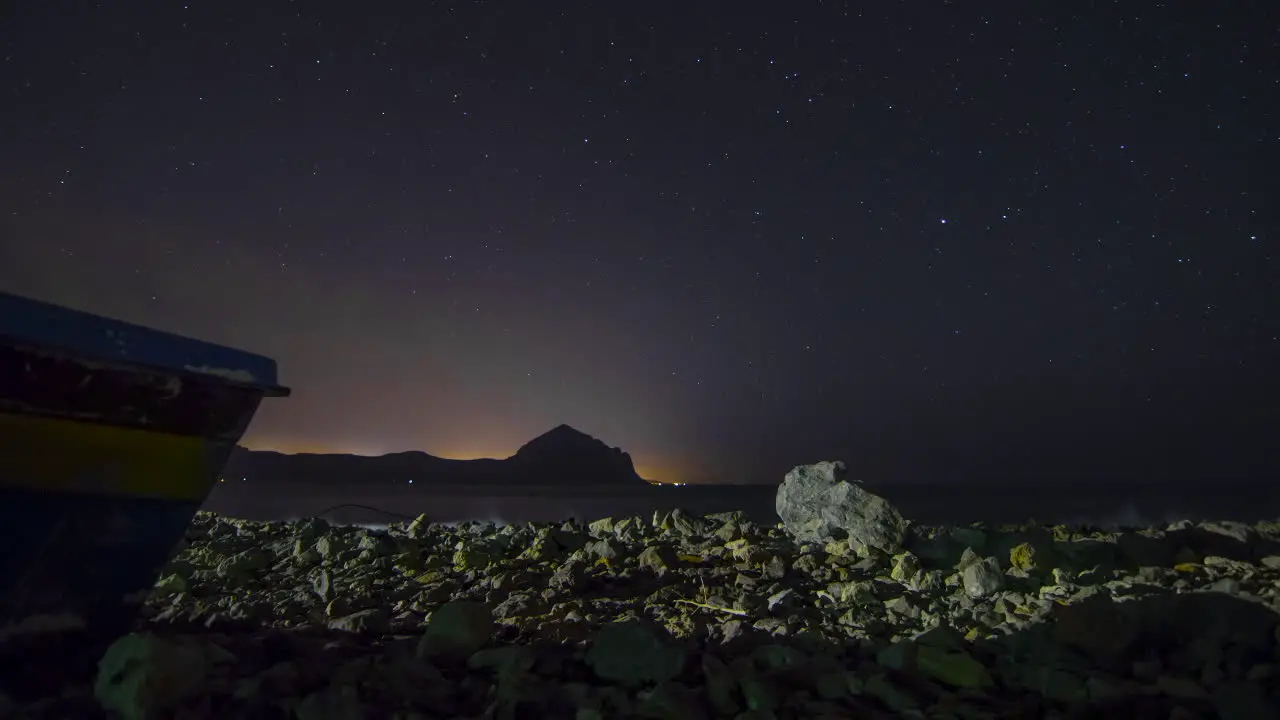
(946,242)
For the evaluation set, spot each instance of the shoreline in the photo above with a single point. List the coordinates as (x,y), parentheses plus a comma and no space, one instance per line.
(1099,504)
(686,616)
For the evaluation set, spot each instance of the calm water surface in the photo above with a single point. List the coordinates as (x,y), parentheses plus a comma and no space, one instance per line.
(928,504)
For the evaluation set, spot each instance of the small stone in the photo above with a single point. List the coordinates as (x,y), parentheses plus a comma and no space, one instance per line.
(171,584)
(955,668)
(1242,701)
(370,620)
(905,567)
(1023,557)
(759,694)
(340,701)
(720,685)
(456,630)
(670,701)
(630,652)
(657,558)
(897,700)
(143,676)
(1181,687)
(983,578)
(1055,684)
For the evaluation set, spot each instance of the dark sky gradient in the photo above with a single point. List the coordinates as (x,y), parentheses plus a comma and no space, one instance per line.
(940,241)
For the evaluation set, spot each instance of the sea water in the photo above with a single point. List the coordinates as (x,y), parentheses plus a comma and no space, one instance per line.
(1103,505)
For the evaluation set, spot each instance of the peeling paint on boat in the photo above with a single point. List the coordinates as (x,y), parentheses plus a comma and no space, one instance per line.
(173,387)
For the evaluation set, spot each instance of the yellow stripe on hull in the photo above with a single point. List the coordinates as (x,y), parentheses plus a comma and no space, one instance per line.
(67,456)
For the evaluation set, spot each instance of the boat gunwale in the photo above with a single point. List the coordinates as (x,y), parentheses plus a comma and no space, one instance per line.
(56,351)
(36,323)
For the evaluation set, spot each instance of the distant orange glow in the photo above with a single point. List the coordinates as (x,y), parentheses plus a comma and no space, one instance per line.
(302,448)
(296,448)
(473,453)
(654,473)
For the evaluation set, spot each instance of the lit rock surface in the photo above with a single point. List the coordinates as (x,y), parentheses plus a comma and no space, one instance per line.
(816,502)
(686,617)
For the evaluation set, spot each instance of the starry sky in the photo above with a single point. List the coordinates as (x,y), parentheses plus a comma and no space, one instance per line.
(942,241)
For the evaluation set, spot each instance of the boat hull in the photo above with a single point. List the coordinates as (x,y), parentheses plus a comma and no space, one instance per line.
(107,451)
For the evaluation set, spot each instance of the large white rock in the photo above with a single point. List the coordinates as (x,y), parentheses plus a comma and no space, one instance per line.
(814,501)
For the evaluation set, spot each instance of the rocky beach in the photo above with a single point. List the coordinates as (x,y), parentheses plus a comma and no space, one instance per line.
(842,609)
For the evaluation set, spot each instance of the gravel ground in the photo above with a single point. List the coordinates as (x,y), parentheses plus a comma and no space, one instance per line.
(683,617)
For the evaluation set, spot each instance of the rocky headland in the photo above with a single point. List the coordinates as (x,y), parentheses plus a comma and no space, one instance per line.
(563,457)
(844,609)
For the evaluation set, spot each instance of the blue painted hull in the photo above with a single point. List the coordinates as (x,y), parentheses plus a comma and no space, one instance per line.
(111,437)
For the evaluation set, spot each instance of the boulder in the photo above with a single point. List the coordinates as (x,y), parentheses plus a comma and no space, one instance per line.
(816,503)
(142,675)
(632,653)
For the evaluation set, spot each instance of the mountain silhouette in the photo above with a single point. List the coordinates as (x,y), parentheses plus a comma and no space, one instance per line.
(560,457)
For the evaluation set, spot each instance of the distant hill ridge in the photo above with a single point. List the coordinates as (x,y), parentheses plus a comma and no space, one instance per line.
(562,456)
